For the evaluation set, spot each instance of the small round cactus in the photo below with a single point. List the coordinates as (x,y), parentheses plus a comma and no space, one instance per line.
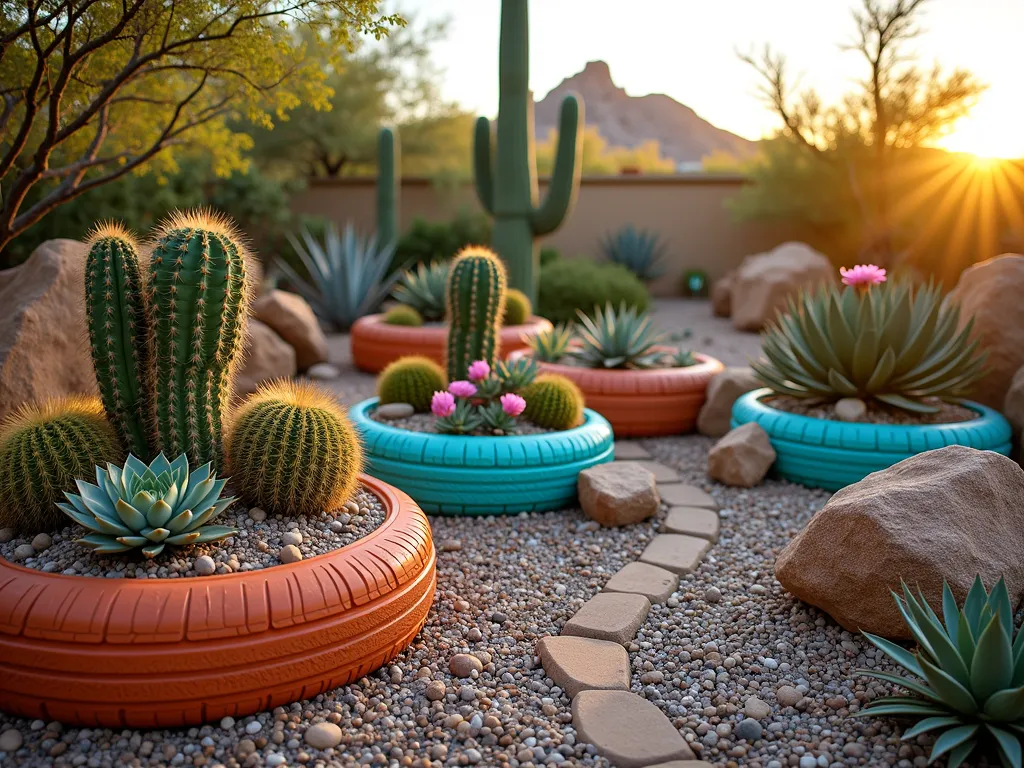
(517,307)
(403,315)
(291,450)
(411,379)
(554,402)
(43,449)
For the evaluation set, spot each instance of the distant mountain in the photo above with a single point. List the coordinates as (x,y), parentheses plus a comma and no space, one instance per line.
(627,121)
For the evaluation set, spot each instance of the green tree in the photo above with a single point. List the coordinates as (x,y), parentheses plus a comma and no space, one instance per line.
(599,159)
(93,90)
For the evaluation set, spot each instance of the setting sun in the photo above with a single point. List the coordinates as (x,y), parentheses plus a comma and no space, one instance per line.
(992,131)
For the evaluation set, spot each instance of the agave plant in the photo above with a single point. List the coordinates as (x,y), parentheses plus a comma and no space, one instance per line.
(552,345)
(348,276)
(423,289)
(639,251)
(892,343)
(969,673)
(618,339)
(148,507)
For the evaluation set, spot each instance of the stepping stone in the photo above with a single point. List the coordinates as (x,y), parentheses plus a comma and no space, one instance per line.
(686,496)
(611,616)
(675,552)
(582,664)
(662,474)
(654,583)
(627,729)
(693,521)
(628,450)
(682,764)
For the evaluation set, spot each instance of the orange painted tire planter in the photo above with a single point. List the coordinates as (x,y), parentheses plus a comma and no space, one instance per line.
(375,343)
(172,652)
(649,403)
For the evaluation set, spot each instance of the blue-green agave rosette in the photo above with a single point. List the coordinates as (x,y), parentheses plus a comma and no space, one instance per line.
(149,507)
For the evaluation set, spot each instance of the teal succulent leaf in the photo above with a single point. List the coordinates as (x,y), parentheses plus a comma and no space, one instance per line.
(952,739)
(621,338)
(1009,745)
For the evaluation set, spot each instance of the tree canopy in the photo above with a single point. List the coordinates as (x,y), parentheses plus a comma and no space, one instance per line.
(599,159)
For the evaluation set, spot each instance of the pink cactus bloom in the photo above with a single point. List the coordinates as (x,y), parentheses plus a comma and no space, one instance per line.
(862,275)
(442,404)
(512,404)
(462,388)
(479,370)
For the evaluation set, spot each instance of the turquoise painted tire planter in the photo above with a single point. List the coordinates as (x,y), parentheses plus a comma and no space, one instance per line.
(458,475)
(820,453)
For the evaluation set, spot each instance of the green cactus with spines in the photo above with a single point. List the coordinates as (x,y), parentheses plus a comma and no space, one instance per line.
(44,448)
(411,379)
(517,307)
(403,315)
(553,401)
(506,180)
(388,182)
(115,308)
(197,300)
(292,450)
(476,302)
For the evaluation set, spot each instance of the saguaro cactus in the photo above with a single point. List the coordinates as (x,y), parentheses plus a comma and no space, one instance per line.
(119,332)
(388,180)
(507,186)
(197,304)
(476,297)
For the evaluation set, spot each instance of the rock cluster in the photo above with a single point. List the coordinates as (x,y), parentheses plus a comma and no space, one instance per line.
(764,281)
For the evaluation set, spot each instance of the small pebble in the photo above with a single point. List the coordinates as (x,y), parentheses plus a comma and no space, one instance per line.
(463,665)
(42,541)
(258,515)
(205,565)
(289,554)
(291,537)
(323,736)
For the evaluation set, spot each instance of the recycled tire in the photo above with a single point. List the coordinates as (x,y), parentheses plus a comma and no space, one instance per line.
(165,653)
(376,343)
(821,453)
(646,403)
(474,475)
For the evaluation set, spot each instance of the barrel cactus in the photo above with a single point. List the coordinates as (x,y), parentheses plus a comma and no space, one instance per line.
(293,451)
(476,300)
(517,307)
(118,325)
(43,448)
(411,379)
(553,402)
(197,307)
(403,315)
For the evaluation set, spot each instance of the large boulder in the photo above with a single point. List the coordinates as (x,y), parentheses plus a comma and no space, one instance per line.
(619,493)
(990,294)
(741,458)
(724,389)
(721,295)
(765,280)
(1013,405)
(952,513)
(293,320)
(266,356)
(43,348)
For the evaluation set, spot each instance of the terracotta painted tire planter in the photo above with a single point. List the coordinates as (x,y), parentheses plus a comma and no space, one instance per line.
(127,653)
(648,403)
(460,475)
(821,453)
(375,343)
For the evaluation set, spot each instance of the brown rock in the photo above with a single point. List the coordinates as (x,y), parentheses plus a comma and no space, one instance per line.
(1013,404)
(721,295)
(619,493)
(609,616)
(582,664)
(267,356)
(724,390)
(743,457)
(765,280)
(43,344)
(990,294)
(293,320)
(951,514)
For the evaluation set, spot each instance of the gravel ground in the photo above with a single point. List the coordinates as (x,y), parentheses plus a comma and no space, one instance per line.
(424,422)
(877,413)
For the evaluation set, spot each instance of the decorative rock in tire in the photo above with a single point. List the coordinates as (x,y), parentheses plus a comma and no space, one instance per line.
(473,475)
(158,653)
(821,453)
(376,343)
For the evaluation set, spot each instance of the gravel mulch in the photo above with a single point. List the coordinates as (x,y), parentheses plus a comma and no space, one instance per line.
(424,422)
(948,413)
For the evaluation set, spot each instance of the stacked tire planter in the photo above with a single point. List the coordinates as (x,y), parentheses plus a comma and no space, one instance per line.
(376,343)
(821,453)
(162,653)
(474,475)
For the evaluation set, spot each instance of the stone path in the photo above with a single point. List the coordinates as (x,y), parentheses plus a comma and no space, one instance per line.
(589,660)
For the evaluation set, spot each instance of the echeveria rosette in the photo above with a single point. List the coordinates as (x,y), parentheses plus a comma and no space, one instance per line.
(149,506)
(463,419)
(968,674)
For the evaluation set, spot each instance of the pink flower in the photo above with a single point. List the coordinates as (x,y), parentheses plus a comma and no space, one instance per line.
(462,388)
(512,404)
(442,404)
(479,370)
(862,275)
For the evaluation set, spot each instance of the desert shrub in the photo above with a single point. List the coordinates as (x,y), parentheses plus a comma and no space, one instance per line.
(570,284)
(429,241)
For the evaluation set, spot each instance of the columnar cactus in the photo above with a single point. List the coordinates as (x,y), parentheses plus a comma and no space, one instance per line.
(476,300)
(388,180)
(197,299)
(115,305)
(507,184)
